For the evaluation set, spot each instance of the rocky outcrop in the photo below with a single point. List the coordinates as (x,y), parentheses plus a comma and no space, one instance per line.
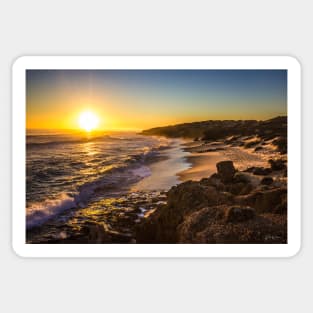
(223,208)
(273,129)
(208,226)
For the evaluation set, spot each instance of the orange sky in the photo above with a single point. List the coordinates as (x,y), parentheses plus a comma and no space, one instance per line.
(144,99)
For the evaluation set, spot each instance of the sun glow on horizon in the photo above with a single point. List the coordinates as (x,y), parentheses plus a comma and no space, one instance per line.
(125,100)
(88,121)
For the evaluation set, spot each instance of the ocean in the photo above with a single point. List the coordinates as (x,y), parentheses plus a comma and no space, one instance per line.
(70,172)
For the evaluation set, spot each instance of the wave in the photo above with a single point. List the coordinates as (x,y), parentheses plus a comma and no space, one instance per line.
(115,179)
(64,141)
(49,140)
(40,212)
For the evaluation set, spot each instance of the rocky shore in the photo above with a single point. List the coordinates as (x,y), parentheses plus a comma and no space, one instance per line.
(235,191)
(243,201)
(230,206)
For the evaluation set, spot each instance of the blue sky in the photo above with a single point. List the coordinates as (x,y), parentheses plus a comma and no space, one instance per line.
(159,97)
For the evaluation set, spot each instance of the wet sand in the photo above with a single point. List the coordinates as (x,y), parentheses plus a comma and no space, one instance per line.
(164,172)
(202,165)
(184,161)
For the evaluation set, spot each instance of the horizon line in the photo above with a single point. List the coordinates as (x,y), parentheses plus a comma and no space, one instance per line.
(141,129)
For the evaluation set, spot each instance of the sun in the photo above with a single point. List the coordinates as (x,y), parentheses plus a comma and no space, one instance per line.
(88,121)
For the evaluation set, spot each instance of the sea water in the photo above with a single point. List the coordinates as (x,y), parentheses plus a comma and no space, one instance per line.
(67,170)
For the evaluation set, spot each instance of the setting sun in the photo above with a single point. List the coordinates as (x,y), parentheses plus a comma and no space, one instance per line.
(88,121)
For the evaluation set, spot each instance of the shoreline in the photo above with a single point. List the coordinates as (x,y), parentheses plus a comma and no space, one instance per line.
(179,174)
(201,165)
(203,158)
(165,171)
(188,160)
(229,195)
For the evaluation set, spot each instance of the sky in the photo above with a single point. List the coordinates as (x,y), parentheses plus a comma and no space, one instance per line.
(141,99)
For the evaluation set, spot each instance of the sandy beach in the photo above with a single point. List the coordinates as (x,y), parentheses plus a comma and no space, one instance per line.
(163,173)
(201,165)
(185,160)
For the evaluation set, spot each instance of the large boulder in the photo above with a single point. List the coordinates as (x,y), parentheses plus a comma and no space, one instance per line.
(189,195)
(183,199)
(226,171)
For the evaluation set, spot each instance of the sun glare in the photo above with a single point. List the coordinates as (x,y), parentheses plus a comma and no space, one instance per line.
(88,121)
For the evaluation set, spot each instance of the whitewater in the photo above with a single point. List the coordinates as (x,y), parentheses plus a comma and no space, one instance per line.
(67,170)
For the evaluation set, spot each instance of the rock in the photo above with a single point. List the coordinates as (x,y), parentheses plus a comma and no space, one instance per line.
(148,230)
(226,197)
(239,214)
(97,232)
(246,189)
(225,223)
(155,200)
(241,177)
(267,180)
(277,165)
(199,221)
(270,200)
(231,224)
(226,171)
(223,208)
(258,170)
(191,194)
(215,181)
(264,200)
(250,169)
(261,171)
(281,144)
(161,226)
(251,144)
(236,188)
(258,149)
(101,233)
(281,208)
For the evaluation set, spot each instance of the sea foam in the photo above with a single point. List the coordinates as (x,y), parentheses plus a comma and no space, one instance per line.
(40,212)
